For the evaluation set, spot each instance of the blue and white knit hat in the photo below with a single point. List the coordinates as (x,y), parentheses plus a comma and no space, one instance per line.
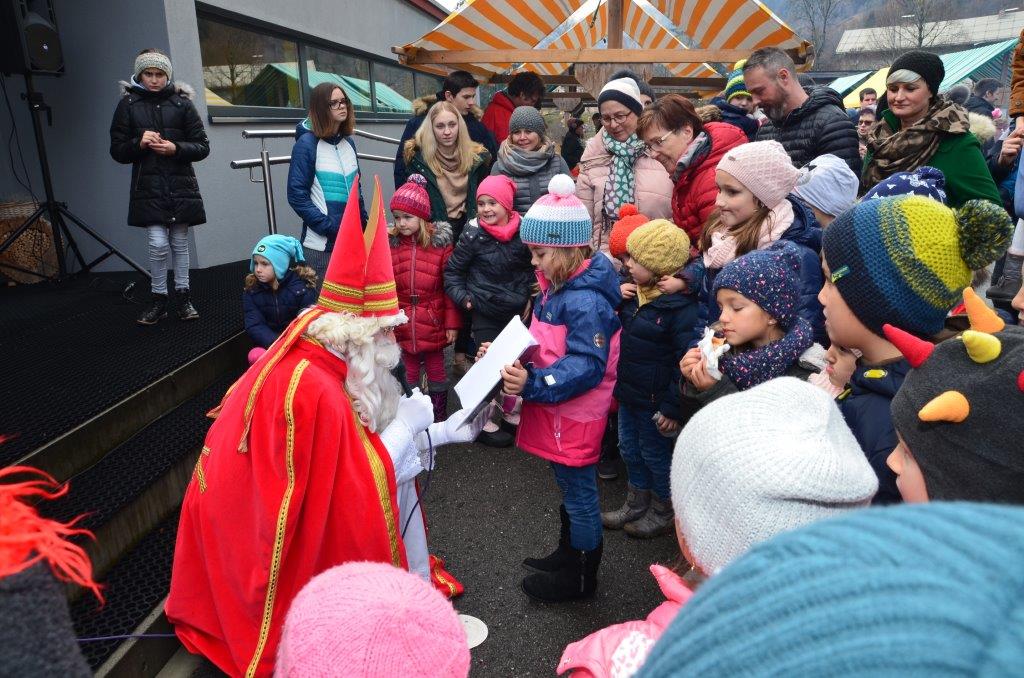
(557,219)
(926,180)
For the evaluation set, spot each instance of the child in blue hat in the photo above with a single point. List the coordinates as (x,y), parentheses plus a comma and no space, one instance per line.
(278,286)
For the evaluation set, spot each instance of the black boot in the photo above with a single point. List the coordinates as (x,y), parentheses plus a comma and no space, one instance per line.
(155,312)
(186,311)
(574,580)
(552,562)
(608,463)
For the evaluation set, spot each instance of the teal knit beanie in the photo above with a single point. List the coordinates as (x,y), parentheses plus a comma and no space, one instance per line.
(913,590)
(282,251)
(557,219)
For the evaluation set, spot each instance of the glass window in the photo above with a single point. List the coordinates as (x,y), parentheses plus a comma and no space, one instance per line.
(350,73)
(245,68)
(393,88)
(427,84)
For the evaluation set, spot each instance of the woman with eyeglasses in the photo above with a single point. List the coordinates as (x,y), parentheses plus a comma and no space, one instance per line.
(615,170)
(689,150)
(323,172)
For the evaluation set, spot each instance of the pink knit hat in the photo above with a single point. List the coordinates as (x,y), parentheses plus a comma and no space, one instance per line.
(764,168)
(411,197)
(499,187)
(371,619)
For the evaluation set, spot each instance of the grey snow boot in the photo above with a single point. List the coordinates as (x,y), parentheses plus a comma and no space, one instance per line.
(657,520)
(632,509)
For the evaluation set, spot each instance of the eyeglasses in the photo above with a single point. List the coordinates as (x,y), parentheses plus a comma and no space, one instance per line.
(865,122)
(338,104)
(618,118)
(650,147)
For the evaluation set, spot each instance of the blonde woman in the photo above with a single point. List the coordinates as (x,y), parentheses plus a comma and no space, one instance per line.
(452,164)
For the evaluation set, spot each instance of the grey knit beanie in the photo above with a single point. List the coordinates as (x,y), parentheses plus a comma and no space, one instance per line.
(763,461)
(153,60)
(528,118)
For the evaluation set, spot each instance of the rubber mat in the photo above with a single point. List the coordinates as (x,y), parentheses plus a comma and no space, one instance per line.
(129,469)
(133,588)
(71,351)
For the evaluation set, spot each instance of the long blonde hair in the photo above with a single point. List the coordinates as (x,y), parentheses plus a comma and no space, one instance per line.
(567,261)
(746,233)
(427,143)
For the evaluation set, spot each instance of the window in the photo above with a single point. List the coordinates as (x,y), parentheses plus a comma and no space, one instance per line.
(351,73)
(245,68)
(393,89)
(427,85)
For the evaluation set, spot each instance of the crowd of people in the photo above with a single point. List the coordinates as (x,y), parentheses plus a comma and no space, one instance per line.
(768,305)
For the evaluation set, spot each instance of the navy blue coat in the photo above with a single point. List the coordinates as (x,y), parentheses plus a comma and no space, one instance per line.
(865,406)
(269,311)
(654,339)
(736,116)
(806,233)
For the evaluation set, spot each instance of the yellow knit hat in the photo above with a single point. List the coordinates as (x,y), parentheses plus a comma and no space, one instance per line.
(659,246)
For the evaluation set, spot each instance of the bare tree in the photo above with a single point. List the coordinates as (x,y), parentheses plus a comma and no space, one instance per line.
(818,17)
(905,25)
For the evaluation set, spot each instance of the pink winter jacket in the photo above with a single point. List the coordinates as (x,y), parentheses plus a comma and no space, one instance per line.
(618,651)
(654,187)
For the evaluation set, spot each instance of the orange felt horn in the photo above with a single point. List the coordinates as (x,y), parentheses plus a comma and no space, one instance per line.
(949,406)
(983,318)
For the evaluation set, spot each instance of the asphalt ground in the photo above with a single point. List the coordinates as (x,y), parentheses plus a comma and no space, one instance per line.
(487,509)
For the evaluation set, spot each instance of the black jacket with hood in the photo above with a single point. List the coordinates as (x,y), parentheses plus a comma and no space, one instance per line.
(164,188)
(818,126)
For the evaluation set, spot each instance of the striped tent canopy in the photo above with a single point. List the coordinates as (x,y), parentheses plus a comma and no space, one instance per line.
(581,24)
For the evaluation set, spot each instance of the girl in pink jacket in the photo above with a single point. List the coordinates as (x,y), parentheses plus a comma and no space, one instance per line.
(745,468)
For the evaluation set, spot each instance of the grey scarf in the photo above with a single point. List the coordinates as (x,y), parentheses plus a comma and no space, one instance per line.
(521,163)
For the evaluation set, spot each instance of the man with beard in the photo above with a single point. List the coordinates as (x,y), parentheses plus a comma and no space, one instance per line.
(807,122)
(311,462)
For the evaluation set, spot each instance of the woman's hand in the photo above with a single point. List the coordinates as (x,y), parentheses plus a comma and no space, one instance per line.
(628,290)
(513,378)
(163,147)
(1011,148)
(669,284)
(482,350)
(450,336)
(149,137)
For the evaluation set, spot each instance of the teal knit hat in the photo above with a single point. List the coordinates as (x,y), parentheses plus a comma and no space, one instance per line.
(557,219)
(282,251)
(913,590)
(735,86)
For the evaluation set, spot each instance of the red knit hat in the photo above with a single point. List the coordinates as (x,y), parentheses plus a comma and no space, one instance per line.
(629,220)
(411,197)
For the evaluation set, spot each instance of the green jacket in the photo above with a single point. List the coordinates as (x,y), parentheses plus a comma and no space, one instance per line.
(438,211)
(959,157)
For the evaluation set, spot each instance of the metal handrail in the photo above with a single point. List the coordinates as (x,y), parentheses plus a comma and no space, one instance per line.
(266,160)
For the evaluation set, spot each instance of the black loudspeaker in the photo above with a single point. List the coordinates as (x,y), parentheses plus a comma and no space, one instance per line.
(29,41)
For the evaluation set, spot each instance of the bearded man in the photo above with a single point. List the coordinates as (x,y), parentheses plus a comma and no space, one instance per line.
(311,462)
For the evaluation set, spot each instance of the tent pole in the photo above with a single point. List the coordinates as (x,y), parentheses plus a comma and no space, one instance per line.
(615,24)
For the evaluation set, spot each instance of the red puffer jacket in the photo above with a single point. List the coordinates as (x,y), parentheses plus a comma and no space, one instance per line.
(693,198)
(419,279)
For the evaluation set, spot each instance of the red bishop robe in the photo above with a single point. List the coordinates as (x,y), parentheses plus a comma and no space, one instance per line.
(313,489)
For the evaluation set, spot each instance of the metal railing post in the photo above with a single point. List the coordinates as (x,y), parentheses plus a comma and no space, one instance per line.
(268,189)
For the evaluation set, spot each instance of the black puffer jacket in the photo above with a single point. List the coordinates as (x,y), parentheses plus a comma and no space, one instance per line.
(819,126)
(164,188)
(496,276)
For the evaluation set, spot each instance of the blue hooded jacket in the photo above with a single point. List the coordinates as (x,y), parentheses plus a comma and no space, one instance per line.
(805,232)
(307,185)
(269,311)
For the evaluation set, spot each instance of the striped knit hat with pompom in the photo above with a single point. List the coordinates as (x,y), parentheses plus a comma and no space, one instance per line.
(557,219)
(735,86)
(905,260)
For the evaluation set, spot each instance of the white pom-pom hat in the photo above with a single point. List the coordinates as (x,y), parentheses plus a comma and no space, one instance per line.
(557,219)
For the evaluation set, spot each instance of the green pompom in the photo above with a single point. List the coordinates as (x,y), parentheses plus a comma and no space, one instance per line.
(985,230)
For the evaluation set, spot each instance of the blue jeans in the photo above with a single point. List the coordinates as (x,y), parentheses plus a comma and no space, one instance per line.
(647,453)
(579,494)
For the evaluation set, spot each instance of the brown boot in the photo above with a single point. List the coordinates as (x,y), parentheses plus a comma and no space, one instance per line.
(657,520)
(634,508)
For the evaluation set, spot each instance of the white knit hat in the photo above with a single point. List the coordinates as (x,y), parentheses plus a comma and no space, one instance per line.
(764,168)
(623,90)
(762,461)
(829,184)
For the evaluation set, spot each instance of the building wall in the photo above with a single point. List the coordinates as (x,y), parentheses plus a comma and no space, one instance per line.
(99,49)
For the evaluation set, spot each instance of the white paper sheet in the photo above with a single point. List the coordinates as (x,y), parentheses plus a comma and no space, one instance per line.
(476,387)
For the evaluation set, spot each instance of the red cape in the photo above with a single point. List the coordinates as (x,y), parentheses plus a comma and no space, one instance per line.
(313,489)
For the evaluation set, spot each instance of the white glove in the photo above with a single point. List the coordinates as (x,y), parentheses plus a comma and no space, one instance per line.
(415,411)
(453,429)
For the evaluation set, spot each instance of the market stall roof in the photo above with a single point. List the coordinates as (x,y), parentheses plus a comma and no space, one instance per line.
(977,63)
(847,83)
(520,31)
(876,82)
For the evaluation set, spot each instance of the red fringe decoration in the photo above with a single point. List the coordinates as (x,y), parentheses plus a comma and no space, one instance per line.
(27,538)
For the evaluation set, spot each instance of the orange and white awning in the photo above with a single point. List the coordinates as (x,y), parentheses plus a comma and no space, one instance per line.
(575,25)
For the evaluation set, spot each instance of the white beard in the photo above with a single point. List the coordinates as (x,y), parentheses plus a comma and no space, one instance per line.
(374,390)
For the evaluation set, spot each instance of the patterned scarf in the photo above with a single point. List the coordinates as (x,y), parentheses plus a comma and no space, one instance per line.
(694,155)
(907,148)
(758,365)
(620,187)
